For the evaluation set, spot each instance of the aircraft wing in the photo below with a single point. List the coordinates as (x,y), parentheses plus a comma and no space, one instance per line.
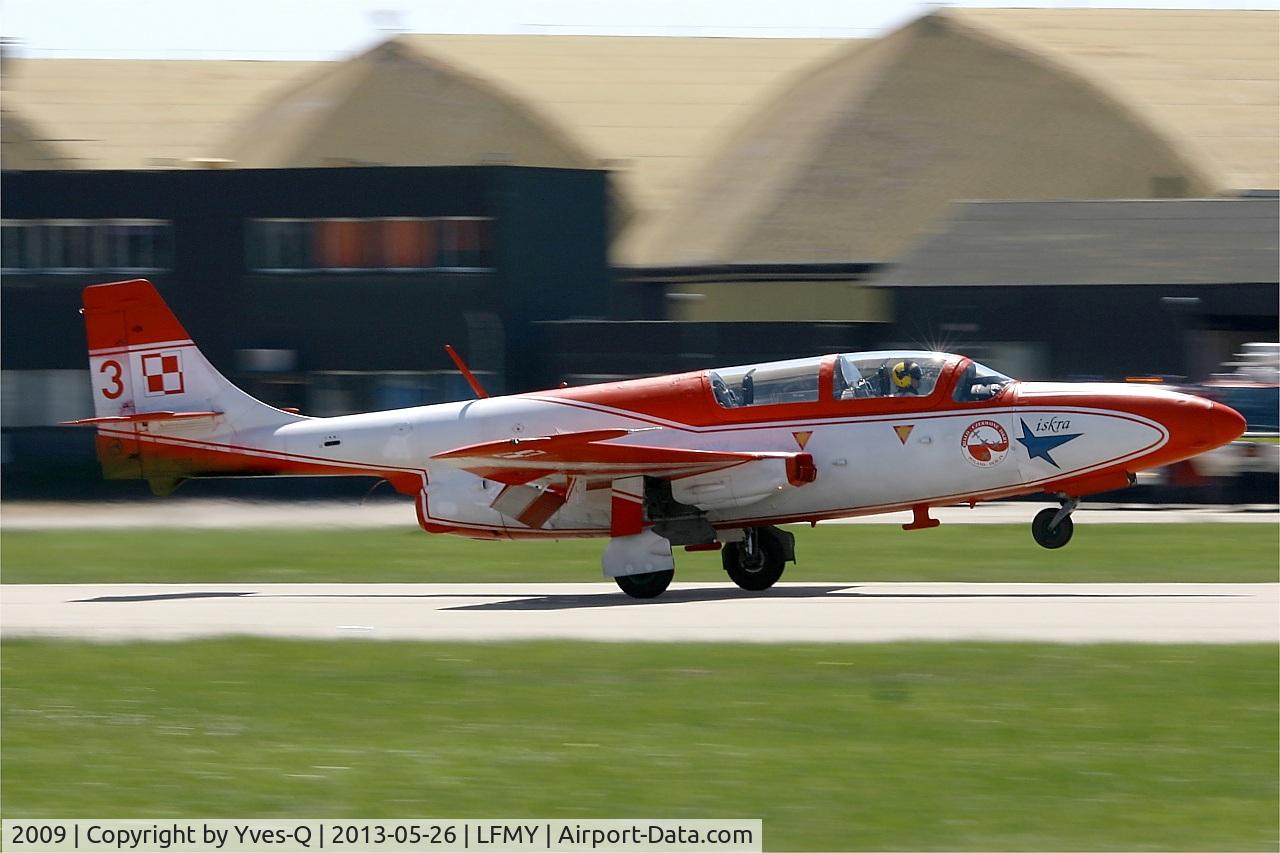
(593,457)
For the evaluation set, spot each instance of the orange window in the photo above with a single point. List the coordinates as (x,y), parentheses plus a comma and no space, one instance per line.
(340,243)
(408,243)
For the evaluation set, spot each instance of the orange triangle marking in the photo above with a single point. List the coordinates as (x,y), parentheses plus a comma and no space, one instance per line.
(802,438)
(903,432)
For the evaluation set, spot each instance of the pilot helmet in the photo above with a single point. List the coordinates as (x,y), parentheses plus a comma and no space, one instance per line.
(904,372)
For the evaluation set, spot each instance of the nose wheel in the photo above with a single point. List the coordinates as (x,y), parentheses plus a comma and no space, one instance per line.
(757,561)
(1052,528)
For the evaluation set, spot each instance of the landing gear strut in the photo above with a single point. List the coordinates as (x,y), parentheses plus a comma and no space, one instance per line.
(1052,528)
(757,561)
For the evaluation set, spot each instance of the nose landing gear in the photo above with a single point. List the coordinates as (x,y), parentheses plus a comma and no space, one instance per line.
(756,562)
(1052,528)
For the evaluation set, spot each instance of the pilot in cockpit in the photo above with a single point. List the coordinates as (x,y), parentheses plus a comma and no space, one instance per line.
(906,377)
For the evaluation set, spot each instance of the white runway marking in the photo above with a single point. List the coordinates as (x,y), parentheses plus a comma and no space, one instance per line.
(792,612)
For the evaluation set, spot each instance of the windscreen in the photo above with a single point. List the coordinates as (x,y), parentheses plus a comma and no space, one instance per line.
(979,382)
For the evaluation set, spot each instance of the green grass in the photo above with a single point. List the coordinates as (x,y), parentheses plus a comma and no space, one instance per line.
(1101,552)
(910,746)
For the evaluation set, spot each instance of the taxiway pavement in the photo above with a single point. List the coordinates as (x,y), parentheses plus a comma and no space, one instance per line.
(790,612)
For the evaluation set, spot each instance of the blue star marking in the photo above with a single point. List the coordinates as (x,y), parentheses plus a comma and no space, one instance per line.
(1040,445)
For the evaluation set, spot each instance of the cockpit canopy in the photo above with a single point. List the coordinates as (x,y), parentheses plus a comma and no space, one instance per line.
(887,374)
(792,381)
(979,382)
(859,375)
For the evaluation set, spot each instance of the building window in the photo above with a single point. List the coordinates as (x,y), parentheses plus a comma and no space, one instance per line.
(347,244)
(135,245)
(410,244)
(466,243)
(460,243)
(68,246)
(85,245)
(20,250)
(280,245)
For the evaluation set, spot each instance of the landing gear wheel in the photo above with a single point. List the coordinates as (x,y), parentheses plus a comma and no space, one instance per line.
(1051,537)
(757,561)
(648,585)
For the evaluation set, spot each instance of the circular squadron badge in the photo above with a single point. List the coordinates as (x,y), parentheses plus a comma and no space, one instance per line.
(984,444)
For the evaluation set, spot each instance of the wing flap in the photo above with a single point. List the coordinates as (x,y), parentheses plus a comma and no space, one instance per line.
(592,456)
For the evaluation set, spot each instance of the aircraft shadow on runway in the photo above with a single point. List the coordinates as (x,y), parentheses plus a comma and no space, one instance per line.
(159,596)
(687,596)
(578,601)
(671,596)
(511,602)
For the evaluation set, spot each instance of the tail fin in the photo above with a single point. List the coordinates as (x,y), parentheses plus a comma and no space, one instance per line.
(154,391)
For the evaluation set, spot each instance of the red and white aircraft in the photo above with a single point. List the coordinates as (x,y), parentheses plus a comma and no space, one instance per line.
(713,459)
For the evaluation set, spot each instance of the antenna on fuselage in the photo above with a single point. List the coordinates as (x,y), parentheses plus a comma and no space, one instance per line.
(466,372)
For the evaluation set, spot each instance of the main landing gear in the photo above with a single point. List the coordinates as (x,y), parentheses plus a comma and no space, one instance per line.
(648,585)
(756,561)
(1052,528)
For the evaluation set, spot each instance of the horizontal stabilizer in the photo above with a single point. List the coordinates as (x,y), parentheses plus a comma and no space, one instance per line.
(140,418)
(590,456)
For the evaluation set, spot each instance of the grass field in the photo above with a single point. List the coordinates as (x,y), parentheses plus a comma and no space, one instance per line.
(908,746)
(915,746)
(1101,552)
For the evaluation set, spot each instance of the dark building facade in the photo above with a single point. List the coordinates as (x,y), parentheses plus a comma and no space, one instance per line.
(354,269)
(1106,289)
(331,290)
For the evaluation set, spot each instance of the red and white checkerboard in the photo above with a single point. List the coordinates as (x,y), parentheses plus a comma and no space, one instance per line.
(162,373)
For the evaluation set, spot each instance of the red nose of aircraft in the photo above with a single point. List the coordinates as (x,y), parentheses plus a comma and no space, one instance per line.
(1225,424)
(1196,424)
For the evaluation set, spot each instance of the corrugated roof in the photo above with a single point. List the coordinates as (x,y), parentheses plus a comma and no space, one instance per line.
(1209,79)
(853,161)
(859,158)
(1183,241)
(140,114)
(765,150)
(393,106)
(22,146)
(649,108)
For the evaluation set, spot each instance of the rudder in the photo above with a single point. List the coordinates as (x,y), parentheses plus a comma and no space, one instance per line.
(156,397)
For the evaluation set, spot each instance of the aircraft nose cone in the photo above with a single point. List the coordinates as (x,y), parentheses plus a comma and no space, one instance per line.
(1225,424)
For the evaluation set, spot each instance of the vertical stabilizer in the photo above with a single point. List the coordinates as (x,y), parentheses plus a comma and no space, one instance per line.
(156,398)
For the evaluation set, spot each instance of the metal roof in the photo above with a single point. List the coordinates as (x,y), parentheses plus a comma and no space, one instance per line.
(1208,79)
(140,114)
(856,160)
(755,151)
(650,109)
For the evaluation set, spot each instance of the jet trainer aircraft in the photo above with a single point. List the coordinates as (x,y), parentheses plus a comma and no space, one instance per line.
(710,460)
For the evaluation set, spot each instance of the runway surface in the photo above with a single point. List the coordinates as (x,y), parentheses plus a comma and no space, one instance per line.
(794,612)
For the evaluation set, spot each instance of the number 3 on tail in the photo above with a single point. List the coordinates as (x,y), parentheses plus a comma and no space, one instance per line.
(116,388)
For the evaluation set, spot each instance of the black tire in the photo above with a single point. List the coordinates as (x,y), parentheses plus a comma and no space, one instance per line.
(1055,537)
(761,573)
(647,585)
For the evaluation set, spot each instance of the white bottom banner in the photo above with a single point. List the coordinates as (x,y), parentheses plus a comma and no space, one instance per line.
(435,834)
